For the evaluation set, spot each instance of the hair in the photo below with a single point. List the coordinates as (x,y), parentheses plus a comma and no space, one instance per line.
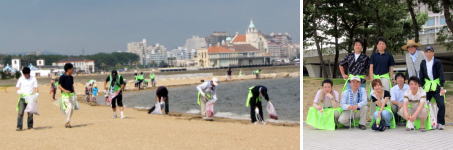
(68,66)
(380,39)
(376,82)
(359,41)
(26,70)
(414,79)
(327,81)
(400,75)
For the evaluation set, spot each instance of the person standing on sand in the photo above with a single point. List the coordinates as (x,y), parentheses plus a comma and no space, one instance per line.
(257,73)
(254,101)
(67,102)
(206,92)
(26,85)
(152,76)
(229,74)
(53,87)
(115,87)
(161,97)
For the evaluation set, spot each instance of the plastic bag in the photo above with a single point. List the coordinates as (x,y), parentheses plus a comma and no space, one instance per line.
(433,109)
(109,97)
(75,103)
(32,104)
(157,108)
(271,111)
(210,109)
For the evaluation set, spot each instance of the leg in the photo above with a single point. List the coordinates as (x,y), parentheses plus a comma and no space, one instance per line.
(119,100)
(336,116)
(363,113)
(29,120)
(387,117)
(344,118)
(441,105)
(20,113)
(203,106)
(167,106)
(260,107)
(68,110)
(252,111)
(423,115)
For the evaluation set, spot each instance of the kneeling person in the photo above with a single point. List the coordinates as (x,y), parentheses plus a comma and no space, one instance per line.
(354,103)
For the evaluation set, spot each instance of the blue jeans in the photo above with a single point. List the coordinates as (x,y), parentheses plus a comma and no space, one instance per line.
(386,115)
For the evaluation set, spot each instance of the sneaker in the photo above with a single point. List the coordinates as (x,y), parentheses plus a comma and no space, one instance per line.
(422,130)
(122,116)
(440,127)
(67,125)
(114,116)
(18,129)
(408,129)
(362,127)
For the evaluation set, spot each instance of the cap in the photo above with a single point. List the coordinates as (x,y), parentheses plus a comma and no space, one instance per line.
(215,81)
(355,78)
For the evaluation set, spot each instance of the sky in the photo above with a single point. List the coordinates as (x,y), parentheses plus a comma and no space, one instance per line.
(92,26)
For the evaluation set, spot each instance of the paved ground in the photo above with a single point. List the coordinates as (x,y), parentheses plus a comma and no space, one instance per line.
(398,138)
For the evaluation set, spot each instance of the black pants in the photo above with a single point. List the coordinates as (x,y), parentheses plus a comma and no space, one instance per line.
(440,104)
(20,115)
(255,104)
(118,99)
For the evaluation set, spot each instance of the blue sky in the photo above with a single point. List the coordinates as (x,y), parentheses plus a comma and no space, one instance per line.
(70,26)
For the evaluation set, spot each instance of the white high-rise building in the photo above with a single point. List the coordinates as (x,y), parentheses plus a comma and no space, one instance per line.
(148,54)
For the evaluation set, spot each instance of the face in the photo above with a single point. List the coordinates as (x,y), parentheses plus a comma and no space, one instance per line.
(412,49)
(327,87)
(429,54)
(377,87)
(355,84)
(400,80)
(381,46)
(70,71)
(27,76)
(357,47)
(413,86)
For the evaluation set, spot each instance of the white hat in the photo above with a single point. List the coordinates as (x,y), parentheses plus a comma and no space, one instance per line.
(355,78)
(215,81)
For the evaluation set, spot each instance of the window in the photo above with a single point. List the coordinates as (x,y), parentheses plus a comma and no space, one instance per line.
(430,21)
(442,20)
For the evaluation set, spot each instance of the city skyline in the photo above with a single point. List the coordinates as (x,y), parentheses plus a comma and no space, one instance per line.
(107,27)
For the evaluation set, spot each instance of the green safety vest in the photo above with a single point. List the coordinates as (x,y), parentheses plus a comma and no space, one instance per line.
(428,119)
(152,76)
(18,100)
(208,95)
(431,85)
(117,83)
(322,120)
(141,77)
(64,95)
(249,96)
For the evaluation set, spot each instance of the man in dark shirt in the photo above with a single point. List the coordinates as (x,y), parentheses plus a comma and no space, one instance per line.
(254,101)
(161,97)
(115,89)
(229,73)
(66,85)
(357,64)
(381,65)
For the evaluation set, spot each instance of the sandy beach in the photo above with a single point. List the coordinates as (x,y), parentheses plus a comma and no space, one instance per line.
(93,128)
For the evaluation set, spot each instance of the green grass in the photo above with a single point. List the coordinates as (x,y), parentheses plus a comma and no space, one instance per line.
(7,85)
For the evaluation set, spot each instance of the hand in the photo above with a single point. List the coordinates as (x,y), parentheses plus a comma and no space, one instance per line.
(319,108)
(203,95)
(330,96)
(345,76)
(443,91)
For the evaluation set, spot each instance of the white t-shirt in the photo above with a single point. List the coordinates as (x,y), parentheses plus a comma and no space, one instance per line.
(429,68)
(26,86)
(356,56)
(420,96)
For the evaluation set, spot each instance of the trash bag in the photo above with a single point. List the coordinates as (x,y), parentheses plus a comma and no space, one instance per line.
(109,97)
(433,109)
(209,109)
(271,111)
(157,108)
(32,103)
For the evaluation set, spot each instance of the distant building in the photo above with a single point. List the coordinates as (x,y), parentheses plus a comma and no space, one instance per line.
(195,42)
(236,55)
(216,38)
(148,54)
(80,65)
(15,63)
(253,37)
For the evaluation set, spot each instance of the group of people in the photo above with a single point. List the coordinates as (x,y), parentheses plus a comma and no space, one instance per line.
(419,101)
(114,86)
(141,82)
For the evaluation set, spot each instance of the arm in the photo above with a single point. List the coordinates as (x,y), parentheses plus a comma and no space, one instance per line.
(342,72)
(201,87)
(371,72)
(391,73)
(343,63)
(35,85)
(419,108)
(316,100)
(343,101)
(335,102)
(364,99)
(441,75)
(62,89)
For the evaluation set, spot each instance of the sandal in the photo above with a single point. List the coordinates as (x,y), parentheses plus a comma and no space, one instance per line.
(422,129)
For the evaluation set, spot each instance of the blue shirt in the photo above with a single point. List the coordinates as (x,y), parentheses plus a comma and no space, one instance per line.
(413,56)
(381,62)
(350,98)
(397,94)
